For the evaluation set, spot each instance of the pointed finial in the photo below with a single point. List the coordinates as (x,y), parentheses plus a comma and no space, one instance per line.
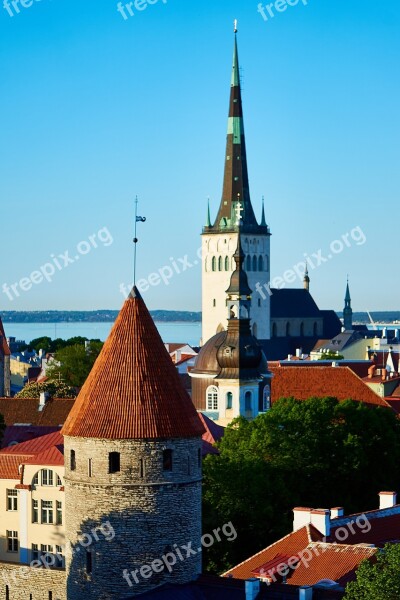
(263,221)
(208,223)
(235,24)
(135,239)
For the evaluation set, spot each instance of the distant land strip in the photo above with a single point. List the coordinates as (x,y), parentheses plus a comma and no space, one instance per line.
(93,316)
(163,316)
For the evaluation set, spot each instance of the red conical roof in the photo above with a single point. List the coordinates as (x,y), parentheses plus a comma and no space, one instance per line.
(133,390)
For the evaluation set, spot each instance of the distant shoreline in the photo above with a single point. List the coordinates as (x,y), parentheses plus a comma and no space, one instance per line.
(95,316)
(160,316)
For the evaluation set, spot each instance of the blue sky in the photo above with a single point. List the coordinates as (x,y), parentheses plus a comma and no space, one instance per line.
(96,109)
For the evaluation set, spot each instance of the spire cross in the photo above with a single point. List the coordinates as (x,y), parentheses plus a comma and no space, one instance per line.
(238,211)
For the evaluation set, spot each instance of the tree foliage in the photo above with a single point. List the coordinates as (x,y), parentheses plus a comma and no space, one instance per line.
(377,580)
(49,345)
(56,389)
(74,363)
(318,452)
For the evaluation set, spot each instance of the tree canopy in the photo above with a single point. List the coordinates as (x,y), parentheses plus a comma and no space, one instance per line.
(318,453)
(377,580)
(73,364)
(56,389)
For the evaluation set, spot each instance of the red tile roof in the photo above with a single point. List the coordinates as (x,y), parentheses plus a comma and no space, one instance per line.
(133,390)
(15,434)
(53,456)
(379,530)
(305,382)
(26,410)
(35,446)
(9,465)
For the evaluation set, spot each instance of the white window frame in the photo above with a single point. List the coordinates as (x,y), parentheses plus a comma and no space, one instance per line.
(47,513)
(212,398)
(12,541)
(35,511)
(12,500)
(47,477)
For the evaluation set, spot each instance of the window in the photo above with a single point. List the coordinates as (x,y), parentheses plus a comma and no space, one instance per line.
(302,330)
(287,329)
(89,562)
(214,264)
(226,263)
(214,303)
(247,402)
(229,399)
(167,460)
(259,302)
(35,552)
(114,462)
(47,511)
(59,557)
(141,468)
(266,400)
(260,263)
(254,263)
(7,593)
(35,480)
(47,477)
(58,480)
(90,467)
(248,263)
(220,263)
(315,330)
(46,555)
(12,500)
(12,541)
(72,461)
(59,513)
(212,398)
(35,511)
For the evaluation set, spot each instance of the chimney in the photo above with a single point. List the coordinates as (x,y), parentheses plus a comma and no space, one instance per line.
(44,397)
(289,356)
(305,592)
(387,500)
(384,374)
(301,517)
(336,512)
(371,371)
(298,352)
(321,519)
(252,588)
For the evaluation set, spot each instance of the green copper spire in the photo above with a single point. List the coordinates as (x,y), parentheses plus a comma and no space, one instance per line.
(263,221)
(347,311)
(347,297)
(208,223)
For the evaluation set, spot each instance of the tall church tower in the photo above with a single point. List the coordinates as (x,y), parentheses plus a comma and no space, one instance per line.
(347,311)
(220,239)
(132,467)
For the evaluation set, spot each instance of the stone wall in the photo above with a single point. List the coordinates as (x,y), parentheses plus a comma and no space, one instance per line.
(145,512)
(17,582)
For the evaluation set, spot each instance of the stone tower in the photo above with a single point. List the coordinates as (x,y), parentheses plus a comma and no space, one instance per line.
(5,355)
(132,467)
(347,311)
(219,239)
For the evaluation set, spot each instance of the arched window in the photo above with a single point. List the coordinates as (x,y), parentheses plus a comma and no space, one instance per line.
(226,263)
(274,330)
(266,262)
(287,329)
(248,263)
(254,263)
(214,264)
(255,329)
(315,329)
(220,263)
(301,329)
(229,400)
(266,403)
(212,398)
(260,263)
(248,401)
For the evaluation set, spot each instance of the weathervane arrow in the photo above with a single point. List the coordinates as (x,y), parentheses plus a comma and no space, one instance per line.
(135,239)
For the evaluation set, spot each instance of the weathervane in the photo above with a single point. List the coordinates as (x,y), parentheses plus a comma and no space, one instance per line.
(135,239)
(235,24)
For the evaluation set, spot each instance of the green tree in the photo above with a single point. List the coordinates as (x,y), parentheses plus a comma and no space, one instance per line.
(73,364)
(378,579)
(56,389)
(318,452)
(331,356)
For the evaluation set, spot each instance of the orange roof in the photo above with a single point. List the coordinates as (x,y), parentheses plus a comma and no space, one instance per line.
(134,390)
(305,382)
(9,465)
(290,545)
(3,341)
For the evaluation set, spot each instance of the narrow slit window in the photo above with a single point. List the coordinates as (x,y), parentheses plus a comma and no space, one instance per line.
(167,460)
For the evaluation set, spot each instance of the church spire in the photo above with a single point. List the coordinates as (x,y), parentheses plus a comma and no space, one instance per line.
(347,311)
(236,180)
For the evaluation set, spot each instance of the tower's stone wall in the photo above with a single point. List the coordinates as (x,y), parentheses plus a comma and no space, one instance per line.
(18,582)
(131,518)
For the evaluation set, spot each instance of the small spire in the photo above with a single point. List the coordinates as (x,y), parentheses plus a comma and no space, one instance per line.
(208,222)
(235,24)
(347,297)
(263,221)
(306,280)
